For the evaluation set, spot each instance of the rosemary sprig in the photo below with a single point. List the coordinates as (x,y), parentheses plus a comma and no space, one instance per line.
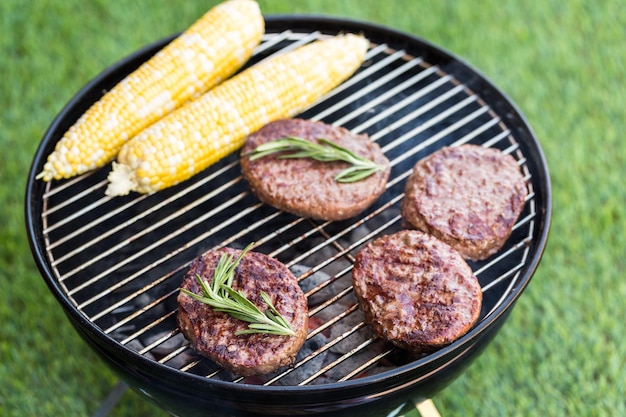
(222,297)
(325,151)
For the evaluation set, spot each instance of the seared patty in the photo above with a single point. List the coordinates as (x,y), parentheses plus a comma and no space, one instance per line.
(468,196)
(212,333)
(306,187)
(416,291)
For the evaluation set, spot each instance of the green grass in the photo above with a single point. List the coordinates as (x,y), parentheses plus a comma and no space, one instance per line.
(562,351)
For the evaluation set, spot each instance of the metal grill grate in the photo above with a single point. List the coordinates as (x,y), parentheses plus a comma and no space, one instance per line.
(120,261)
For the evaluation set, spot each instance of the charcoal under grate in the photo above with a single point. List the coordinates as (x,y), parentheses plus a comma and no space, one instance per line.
(119,261)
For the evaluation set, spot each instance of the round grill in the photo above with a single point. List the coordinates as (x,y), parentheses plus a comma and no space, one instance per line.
(115,264)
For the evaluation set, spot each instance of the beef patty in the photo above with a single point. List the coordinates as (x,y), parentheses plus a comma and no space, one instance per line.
(416,291)
(306,187)
(468,196)
(212,333)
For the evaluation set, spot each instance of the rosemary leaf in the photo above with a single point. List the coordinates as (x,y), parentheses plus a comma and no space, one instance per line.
(222,297)
(324,151)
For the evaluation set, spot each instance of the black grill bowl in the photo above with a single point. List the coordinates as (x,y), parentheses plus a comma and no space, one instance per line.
(115,265)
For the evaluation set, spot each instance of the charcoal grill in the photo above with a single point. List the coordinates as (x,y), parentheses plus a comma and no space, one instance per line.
(115,264)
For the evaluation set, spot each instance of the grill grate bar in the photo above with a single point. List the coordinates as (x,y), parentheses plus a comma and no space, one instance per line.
(158,341)
(190,365)
(73,199)
(506,275)
(373,86)
(504,134)
(430,141)
(366,365)
(359,77)
(149,326)
(127,300)
(270,41)
(390,94)
(298,40)
(339,295)
(77,232)
(431,122)
(137,313)
(313,355)
(173,354)
(62,186)
(339,360)
(330,240)
(346,291)
(513,275)
(408,101)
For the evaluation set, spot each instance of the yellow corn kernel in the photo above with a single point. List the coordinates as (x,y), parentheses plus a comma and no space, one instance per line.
(209,51)
(204,130)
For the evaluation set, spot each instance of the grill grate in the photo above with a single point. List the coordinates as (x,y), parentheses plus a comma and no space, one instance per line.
(119,261)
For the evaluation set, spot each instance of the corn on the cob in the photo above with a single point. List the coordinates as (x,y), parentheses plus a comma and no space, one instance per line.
(216,124)
(209,51)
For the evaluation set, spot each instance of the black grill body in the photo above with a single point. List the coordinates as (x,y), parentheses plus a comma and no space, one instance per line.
(115,264)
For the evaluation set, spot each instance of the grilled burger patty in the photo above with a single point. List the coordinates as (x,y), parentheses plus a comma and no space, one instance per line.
(212,333)
(306,187)
(416,291)
(468,196)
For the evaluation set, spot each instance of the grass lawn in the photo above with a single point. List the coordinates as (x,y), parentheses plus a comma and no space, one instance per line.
(561,352)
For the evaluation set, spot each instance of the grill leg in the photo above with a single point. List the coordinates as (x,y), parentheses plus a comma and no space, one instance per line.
(111,400)
(427,408)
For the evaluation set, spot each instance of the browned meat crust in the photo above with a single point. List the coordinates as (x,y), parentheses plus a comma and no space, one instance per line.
(306,187)
(212,334)
(416,291)
(468,196)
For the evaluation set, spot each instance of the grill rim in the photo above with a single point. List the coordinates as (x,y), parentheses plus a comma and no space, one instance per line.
(367,385)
